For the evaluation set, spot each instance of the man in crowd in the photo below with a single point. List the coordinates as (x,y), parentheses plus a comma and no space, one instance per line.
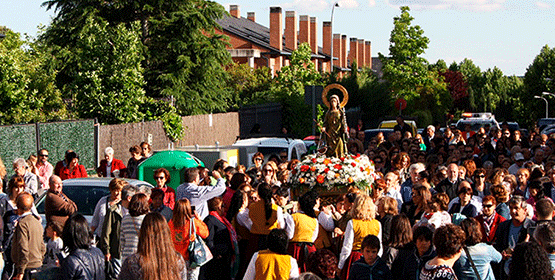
(57,206)
(44,168)
(406,187)
(353,140)
(21,168)
(519,163)
(110,166)
(450,184)
(513,231)
(199,195)
(27,246)
(401,126)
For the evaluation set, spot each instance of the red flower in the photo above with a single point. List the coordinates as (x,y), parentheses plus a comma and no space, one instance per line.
(305,168)
(320,179)
(314,160)
(342,158)
(353,164)
(326,170)
(338,166)
(362,169)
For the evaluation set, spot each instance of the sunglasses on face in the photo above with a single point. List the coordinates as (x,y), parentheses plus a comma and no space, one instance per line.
(257,159)
(160,178)
(487,205)
(43,155)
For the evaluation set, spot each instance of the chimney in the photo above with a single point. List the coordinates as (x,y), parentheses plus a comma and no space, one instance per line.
(313,35)
(326,40)
(304,29)
(337,51)
(234,11)
(291,30)
(361,55)
(344,51)
(276,36)
(251,17)
(368,52)
(353,52)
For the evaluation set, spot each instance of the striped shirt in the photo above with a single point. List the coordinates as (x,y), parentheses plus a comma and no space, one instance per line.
(129,237)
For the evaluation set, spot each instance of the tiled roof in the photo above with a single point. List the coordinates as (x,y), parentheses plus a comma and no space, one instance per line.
(254,33)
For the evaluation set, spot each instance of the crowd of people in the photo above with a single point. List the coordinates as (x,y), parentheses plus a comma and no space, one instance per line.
(447,204)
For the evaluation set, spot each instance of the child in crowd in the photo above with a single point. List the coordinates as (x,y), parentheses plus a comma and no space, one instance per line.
(54,247)
(370,266)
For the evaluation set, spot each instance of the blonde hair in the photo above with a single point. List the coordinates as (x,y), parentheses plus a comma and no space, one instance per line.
(363,208)
(390,205)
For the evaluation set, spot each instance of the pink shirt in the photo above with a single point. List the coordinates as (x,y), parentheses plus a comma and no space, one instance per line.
(45,172)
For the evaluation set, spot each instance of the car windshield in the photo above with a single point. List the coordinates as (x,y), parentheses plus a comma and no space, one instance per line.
(85,197)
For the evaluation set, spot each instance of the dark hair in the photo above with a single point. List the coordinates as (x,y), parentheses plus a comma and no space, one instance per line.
(77,234)
(156,193)
(166,173)
(135,149)
(265,193)
(138,205)
(370,241)
(237,201)
(282,192)
(219,165)
(351,197)
(56,227)
(70,156)
(204,176)
(323,263)
(424,232)
(448,240)
(544,208)
(473,231)
(231,169)
(214,203)
(278,241)
(16,181)
(307,203)
(545,235)
(401,231)
(191,174)
(530,262)
(236,180)
(424,175)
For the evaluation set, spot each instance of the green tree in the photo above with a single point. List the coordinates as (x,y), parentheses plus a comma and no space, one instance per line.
(288,89)
(539,77)
(404,68)
(473,78)
(27,87)
(250,85)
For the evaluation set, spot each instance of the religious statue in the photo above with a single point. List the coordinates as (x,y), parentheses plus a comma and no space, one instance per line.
(335,123)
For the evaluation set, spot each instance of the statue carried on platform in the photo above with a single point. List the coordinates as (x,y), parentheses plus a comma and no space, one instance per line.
(335,123)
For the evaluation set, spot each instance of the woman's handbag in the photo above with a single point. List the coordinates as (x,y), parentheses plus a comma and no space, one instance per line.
(199,253)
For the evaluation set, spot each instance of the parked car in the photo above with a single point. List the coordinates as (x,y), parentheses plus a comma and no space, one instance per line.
(392,123)
(269,146)
(548,129)
(86,192)
(477,120)
(543,122)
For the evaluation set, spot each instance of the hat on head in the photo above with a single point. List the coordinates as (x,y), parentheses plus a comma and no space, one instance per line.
(519,156)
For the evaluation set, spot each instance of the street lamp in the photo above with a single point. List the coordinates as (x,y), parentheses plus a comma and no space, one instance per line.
(548,93)
(546,105)
(331,39)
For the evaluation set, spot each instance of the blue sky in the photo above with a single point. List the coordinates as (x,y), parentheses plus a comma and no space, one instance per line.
(503,33)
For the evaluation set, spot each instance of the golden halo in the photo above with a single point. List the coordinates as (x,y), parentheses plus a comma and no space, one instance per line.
(340,88)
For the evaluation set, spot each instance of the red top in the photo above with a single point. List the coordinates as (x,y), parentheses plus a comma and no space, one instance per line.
(78,172)
(181,238)
(169,196)
(117,164)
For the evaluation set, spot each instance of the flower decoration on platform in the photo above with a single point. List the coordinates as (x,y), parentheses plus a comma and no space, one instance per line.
(334,173)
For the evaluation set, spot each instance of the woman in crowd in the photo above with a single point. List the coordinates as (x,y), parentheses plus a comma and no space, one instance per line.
(134,161)
(476,253)
(239,203)
(323,263)
(302,228)
(363,223)
(84,261)
(236,180)
(73,169)
(400,244)
(263,216)
(489,219)
(414,208)
(146,149)
(131,223)
(222,241)
(463,206)
(162,178)
(114,198)
(522,176)
(530,261)
(436,214)
(269,174)
(387,208)
(257,160)
(501,198)
(179,227)
(536,191)
(448,241)
(401,163)
(156,258)
(480,187)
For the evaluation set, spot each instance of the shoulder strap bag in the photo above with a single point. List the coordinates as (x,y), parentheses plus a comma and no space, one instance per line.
(472,263)
(199,253)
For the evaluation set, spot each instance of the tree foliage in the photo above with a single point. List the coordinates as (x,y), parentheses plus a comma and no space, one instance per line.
(27,89)
(403,68)
(539,77)
(250,86)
